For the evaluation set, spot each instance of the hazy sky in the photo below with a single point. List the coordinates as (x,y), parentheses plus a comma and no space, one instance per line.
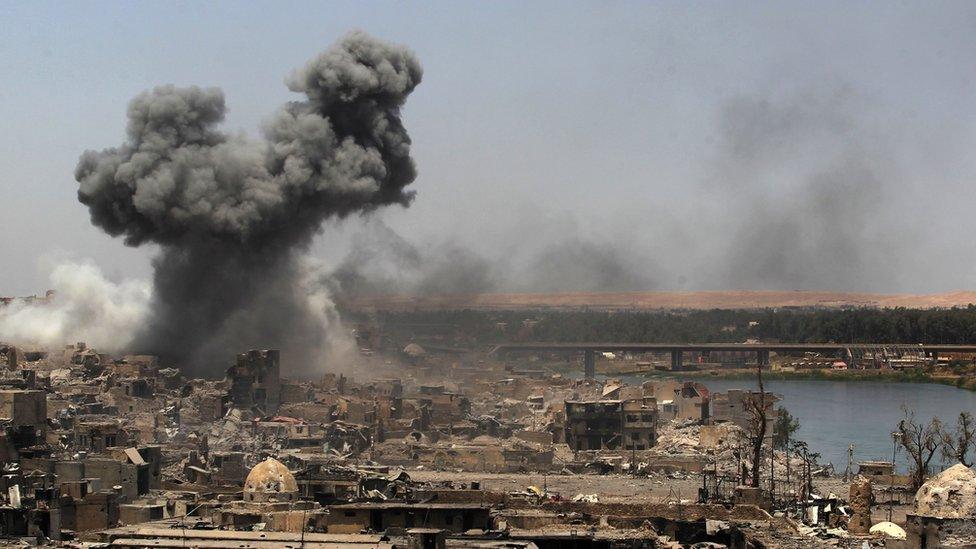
(775,145)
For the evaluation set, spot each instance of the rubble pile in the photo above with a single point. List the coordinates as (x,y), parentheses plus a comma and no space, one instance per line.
(860,501)
(950,494)
(688,438)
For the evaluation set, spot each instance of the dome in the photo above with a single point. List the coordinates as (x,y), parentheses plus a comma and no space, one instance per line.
(889,529)
(950,494)
(270,479)
(414,351)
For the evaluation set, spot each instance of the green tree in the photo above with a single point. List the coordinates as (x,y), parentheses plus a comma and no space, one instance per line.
(786,425)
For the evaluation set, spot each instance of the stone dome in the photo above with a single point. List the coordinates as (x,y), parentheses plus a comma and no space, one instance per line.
(268,480)
(950,494)
(414,351)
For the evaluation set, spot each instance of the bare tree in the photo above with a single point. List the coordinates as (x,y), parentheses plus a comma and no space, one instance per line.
(759,406)
(921,442)
(809,458)
(957,445)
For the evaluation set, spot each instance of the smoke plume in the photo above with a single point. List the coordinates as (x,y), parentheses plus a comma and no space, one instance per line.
(232,216)
(805,181)
(380,261)
(542,255)
(86,307)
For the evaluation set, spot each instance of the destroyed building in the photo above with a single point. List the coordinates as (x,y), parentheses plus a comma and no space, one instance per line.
(735,406)
(679,401)
(611,424)
(255,380)
(23,413)
(945,511)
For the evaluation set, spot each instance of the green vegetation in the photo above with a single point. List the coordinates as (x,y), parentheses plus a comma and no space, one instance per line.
(908,376)
(956,325)
(470,328)
(786,425)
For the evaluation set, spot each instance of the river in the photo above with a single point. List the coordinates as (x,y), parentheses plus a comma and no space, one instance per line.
(833,414)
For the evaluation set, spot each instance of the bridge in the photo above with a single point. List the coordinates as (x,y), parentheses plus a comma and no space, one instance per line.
(762,350)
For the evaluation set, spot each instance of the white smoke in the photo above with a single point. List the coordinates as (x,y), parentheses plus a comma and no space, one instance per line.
(335,346)
(86,306)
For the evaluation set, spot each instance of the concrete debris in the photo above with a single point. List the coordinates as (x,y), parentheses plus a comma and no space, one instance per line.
(713,527)
(860,504)
(950,494)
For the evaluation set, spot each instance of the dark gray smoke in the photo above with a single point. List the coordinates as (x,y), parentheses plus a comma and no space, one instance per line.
(803,193)
(232,215)
(382,262)
(805,182)
(573,264)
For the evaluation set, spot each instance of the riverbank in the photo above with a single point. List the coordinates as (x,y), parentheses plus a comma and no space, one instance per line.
(942,376)
(966,380)
(886,376)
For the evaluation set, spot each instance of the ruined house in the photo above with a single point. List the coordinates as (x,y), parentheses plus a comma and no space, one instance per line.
(679,401)
(321,479)
(445,407)
(25,416)
(137,366)
(734,406)
(611,424)
(97,433)
(227,468)
(255,380)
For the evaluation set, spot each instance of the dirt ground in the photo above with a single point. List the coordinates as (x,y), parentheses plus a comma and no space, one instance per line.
(610,488)
(621,488)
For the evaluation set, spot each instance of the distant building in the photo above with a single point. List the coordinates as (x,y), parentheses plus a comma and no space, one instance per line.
(681,401)
(734,406)
(876,470)
(611,424)
(26,412)
(255,380)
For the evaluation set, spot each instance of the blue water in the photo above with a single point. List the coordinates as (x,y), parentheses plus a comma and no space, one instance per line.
(833,414)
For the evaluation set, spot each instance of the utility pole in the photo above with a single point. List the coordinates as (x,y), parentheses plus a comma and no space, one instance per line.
(891,480)
(633,459)
(789,487)
(849,472)
(772,468)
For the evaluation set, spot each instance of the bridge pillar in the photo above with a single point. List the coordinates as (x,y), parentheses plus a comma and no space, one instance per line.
(589,364)
(762,358)
(676,360)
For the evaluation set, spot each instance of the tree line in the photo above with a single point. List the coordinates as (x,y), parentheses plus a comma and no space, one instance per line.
(897,325)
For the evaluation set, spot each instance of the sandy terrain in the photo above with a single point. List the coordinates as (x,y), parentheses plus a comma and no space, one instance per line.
(610,488)
(661,300)
(621,488)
